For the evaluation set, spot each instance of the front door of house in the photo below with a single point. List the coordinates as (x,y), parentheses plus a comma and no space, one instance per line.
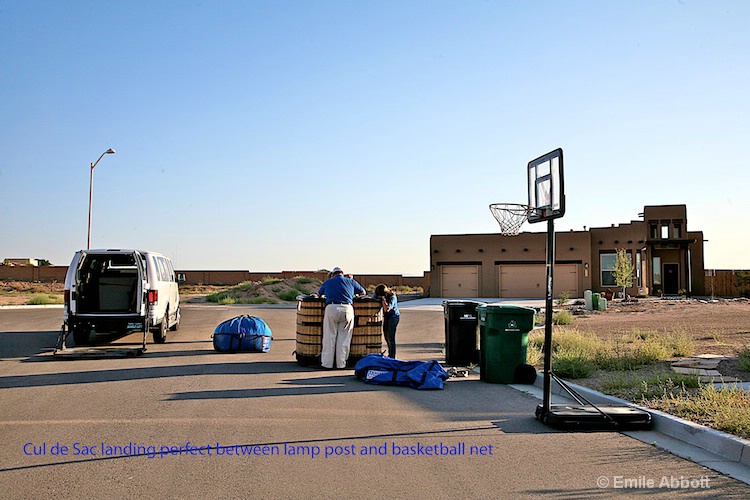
(671,279)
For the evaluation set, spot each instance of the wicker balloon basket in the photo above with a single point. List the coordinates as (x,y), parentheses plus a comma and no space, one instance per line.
(367,337)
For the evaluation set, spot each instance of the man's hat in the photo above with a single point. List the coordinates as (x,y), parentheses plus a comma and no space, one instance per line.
(337,270)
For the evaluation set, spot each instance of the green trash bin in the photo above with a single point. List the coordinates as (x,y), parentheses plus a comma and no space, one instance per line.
(503,338)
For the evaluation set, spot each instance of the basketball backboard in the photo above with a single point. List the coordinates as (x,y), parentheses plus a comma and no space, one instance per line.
(546,187)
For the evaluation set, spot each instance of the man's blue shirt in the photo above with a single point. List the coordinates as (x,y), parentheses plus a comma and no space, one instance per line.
(340,289)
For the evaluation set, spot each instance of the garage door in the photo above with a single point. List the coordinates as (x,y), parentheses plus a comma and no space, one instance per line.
(522,281)
(459,281)
(528,280)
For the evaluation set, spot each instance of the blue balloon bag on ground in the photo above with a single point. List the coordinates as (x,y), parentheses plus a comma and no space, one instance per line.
(377,369)
(243,334)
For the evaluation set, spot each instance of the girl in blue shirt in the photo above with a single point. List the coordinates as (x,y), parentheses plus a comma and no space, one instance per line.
(391,316)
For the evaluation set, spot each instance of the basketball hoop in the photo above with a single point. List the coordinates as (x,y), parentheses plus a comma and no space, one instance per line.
(510,216)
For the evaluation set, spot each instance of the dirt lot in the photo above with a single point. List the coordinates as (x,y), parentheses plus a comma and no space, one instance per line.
(14,293)
(717,327)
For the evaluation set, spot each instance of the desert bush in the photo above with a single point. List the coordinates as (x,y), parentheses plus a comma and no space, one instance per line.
(38,299)
(572,364)
(267,280)
(563,299)
(244,286)
(575,340)
(638,388)
(637,335)
(743,356)
(679,342)
(534,353)
(726,409)
(562,318)
(618,356)
(263,300)
(289,295)
(216,297)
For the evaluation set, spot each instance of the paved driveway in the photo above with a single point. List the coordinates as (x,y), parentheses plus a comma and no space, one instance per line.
(302,432)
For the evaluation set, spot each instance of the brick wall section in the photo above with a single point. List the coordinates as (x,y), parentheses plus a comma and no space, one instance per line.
(48,274)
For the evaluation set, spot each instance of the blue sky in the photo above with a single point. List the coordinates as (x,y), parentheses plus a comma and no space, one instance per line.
(291,135)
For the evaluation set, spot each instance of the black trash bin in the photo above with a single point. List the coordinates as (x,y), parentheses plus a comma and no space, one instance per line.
(461,345)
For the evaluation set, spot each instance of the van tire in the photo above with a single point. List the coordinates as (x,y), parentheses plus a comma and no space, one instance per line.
(176,325)
(81,335)
(160,334)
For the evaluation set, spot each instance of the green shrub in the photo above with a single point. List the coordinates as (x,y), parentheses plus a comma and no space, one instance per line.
(563,299)
(263,300)
(562,318)
(289,295)
(226,300)
(269,280)
(726,409)
(44,298)
(635,388)
(637,335)
(615,355)
(216,297)
(680,343)
(244,286)
(743,356)
(572,364)
(575,340)
(539,319)
(534,353)
(303,280)
(370,289)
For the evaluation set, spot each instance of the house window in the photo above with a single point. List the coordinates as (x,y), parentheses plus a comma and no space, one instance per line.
(607,267)
(653,230)
(607,262)
(677,230)
(664,231)
(657,271)
(638,280)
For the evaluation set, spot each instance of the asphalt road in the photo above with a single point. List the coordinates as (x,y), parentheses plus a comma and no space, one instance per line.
(183,392)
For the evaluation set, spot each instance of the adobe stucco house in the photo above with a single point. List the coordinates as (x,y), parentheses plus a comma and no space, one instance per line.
(666,256)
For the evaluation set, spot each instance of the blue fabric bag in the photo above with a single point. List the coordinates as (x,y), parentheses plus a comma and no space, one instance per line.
(243,334)
(377,369)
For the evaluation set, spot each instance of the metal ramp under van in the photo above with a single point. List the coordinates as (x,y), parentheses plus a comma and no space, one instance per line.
(95,352)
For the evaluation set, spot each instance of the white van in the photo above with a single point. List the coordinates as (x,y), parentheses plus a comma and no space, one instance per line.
(118,291)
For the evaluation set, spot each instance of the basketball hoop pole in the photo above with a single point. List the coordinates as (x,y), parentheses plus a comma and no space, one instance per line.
(547,398)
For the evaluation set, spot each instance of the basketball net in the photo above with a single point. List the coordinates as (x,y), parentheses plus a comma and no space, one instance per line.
(510,216)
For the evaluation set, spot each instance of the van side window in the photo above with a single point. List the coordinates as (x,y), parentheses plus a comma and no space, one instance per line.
(160,268)
(170,269)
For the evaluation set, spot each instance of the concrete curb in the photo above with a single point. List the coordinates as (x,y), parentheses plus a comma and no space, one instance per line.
(732,448)
(45,306)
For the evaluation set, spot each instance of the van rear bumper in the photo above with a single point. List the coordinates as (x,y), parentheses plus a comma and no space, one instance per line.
(108,323)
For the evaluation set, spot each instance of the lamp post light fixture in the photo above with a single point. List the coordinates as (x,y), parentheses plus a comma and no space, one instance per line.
(110,151)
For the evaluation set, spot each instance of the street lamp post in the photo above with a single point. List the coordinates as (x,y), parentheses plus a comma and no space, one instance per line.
(110,151)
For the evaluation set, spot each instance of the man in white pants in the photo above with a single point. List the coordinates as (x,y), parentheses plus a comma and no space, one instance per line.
(338,322)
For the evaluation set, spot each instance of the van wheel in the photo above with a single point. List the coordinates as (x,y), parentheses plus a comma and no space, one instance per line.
(81,334)
(176,325)
(160,334)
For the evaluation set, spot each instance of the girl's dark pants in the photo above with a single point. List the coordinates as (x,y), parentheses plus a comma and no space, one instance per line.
(389,331)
